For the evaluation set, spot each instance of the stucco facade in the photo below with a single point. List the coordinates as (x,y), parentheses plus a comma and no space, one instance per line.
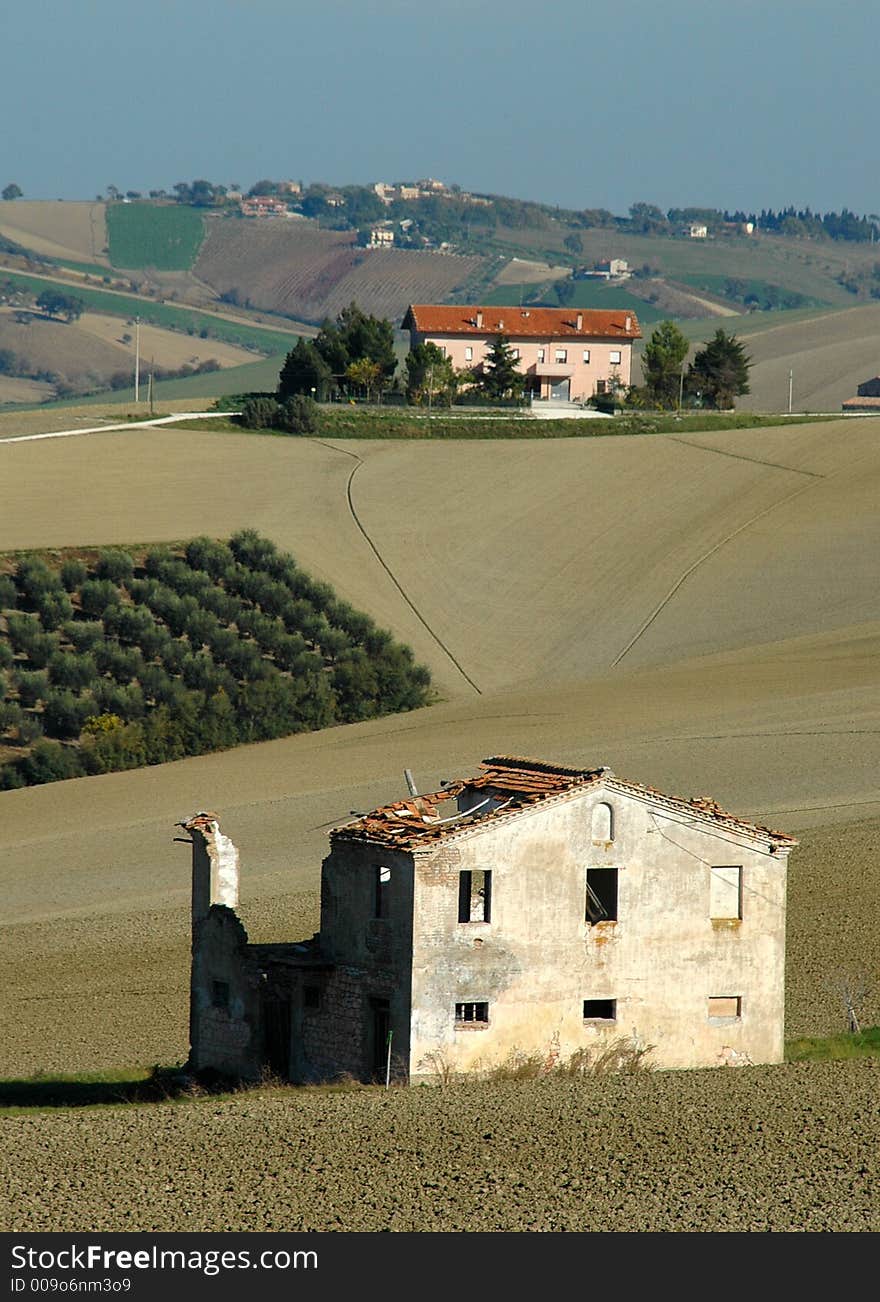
(529,909)
(565,355)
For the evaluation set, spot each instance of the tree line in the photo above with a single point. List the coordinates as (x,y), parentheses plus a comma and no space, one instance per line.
(717,376)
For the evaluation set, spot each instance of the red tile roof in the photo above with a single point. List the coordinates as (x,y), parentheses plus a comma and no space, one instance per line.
(421,820)
(861,404)
(521,322)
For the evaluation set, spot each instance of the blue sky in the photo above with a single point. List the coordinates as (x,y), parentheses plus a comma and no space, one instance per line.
(746,104)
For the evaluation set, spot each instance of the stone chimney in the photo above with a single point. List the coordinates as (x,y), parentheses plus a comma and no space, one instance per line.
(214,865)
(628,324)
(579,324)
(479,320)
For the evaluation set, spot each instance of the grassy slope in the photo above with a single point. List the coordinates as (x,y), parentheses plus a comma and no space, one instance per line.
(164,236)
(588,294)
(163,314)
(58,228)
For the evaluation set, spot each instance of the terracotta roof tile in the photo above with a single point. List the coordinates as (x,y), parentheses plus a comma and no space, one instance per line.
(518,783)
(521,322)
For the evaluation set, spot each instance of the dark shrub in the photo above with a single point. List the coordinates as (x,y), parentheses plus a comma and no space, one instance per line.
(33,687)
(34,578)
(114,564)
(250,549)
(50,762)
(67,670)
(64,714)
(298,415)
(260,413)
(11,715)
(207,554)
(85,634)
(30,728)
(8,592)
(53,608)
(73,574)
(11,778)
(97,594)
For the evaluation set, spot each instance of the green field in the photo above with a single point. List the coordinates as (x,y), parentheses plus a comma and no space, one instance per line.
(165,237)
(587,293)
(762,290)
(163,314)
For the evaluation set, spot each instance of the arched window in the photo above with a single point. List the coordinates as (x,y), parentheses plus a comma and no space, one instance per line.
(603,822)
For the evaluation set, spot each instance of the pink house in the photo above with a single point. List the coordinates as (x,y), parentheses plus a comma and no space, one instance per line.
(566,354)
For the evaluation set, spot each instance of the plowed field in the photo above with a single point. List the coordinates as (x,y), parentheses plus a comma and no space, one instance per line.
(295,268)
(752,1149)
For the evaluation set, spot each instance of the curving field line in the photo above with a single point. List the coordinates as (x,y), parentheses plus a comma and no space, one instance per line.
(392,576)
(664,602)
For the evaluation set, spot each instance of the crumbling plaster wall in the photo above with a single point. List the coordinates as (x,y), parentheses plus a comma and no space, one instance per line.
(538,958)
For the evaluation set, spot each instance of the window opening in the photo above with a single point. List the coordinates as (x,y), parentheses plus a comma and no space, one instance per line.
(220,994)
(382,886)
(601,895)
(470,1014)
(600,1010)
(475,895)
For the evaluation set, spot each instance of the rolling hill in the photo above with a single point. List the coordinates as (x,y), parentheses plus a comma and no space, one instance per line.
(297,269)
(699,614)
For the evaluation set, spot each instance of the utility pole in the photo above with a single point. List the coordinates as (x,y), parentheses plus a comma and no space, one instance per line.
(681,386)
(152,408)
(137,357)
(790,383)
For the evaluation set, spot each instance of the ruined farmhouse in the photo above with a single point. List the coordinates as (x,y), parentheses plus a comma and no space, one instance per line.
(529,908)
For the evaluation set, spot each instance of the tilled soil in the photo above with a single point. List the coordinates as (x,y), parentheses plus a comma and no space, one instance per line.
(785,1148)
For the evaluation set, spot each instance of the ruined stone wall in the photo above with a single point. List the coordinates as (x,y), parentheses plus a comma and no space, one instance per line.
(364,936)
(334,1036)
(225,1027)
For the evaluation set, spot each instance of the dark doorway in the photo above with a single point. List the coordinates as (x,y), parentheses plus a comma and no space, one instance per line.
(276,1022)
(381,1029)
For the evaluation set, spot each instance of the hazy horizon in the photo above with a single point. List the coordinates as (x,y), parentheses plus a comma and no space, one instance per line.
(758,105)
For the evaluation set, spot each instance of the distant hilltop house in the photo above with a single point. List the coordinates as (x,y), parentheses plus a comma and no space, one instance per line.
(380,236)
(607,269)
(429,187)
(867,397)
(566,355)
(530,908)
(264,205)
(698,231)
